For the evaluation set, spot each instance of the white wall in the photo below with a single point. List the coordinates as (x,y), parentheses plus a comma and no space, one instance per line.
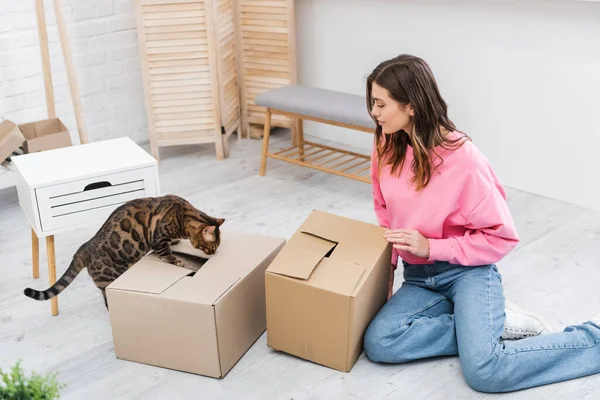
(522,78)
(103,40)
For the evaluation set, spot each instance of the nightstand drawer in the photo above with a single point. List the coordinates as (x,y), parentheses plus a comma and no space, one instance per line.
(93,199)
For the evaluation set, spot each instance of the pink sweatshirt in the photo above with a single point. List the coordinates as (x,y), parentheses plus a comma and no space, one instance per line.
(462,211)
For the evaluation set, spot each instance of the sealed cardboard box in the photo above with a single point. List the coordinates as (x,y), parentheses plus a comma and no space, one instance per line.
(325,287)
(10,139)
(200,322)
(46,134)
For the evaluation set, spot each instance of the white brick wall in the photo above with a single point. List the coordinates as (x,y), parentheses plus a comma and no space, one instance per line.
(102,35)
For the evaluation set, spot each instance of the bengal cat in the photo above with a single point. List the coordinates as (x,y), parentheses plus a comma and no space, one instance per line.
(132,231)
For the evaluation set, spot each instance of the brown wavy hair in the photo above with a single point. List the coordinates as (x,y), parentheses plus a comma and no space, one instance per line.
(409,80)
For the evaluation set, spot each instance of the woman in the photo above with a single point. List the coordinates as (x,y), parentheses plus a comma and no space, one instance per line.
(449,223)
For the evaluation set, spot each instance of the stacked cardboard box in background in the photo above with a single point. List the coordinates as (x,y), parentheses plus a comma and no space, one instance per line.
(35,136)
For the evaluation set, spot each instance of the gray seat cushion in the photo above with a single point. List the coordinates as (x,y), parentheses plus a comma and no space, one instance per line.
(319,103)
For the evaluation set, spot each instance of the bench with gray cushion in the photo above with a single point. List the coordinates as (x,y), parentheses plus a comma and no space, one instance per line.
(324,106)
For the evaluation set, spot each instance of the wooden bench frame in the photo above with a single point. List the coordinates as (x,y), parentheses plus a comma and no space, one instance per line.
(347,164)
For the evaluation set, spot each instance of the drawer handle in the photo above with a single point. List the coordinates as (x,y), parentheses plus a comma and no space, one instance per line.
(97,185)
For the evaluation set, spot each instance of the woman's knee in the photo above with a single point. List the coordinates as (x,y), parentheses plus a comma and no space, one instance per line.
(373,342)
(482,376)
(378,341)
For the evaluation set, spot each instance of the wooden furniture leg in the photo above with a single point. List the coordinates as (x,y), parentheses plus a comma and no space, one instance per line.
(225,141)
(52,271)
(255,131)
(300,137)
(265,147)
(294,132)
(219,148)
(35,255)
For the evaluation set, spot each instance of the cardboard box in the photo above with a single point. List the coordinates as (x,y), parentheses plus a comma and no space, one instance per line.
(46,134)
(325,287)
(10,139)
(200,322)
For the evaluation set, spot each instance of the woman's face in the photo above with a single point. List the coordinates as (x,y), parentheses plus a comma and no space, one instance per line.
(390,114)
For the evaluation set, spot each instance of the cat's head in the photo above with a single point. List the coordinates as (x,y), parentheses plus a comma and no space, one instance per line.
(206,237)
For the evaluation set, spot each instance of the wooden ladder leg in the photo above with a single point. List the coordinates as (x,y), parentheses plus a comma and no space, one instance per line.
(45,55)
(35,255)
(71,78)
(265,147)
(300,137)
(52,271)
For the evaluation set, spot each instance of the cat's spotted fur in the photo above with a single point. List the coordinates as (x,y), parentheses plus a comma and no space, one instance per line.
(132,231)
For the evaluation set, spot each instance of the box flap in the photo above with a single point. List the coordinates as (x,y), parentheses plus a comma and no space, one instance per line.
(351,241)
(336,276)
(323,224)
(191,290)
(185,247)
(7,127)
(345,231)
(47,134)
(149,275)
(41,128)
(209,282)
(28,130)
(10,139)
(301,256)
(358,241)
(237,256)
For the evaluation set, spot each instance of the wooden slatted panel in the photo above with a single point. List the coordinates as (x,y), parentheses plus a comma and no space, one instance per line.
(228,79)
(266,55)
(178,71)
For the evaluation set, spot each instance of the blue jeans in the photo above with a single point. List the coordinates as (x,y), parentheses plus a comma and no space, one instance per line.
(447,310)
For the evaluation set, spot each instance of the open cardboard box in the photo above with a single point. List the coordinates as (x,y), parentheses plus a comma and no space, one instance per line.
(201,322)
(46,134)
(325,287)
(10,139)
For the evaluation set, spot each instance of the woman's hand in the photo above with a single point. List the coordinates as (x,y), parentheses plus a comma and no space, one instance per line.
(408,240)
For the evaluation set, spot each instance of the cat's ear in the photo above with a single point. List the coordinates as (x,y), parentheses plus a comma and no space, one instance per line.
(220,221)
(209,230)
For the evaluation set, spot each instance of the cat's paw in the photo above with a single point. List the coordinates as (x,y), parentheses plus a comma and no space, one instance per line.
(179,263)
(173,260)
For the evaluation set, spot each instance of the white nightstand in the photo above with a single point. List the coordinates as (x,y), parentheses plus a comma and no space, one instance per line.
(63,189)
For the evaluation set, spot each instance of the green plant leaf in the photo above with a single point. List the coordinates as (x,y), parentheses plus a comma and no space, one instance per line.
(15,385)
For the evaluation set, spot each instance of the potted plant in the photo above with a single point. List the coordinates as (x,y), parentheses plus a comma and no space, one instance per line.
(15,385)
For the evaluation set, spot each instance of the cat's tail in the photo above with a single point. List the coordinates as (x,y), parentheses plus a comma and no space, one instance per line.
(74,269)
